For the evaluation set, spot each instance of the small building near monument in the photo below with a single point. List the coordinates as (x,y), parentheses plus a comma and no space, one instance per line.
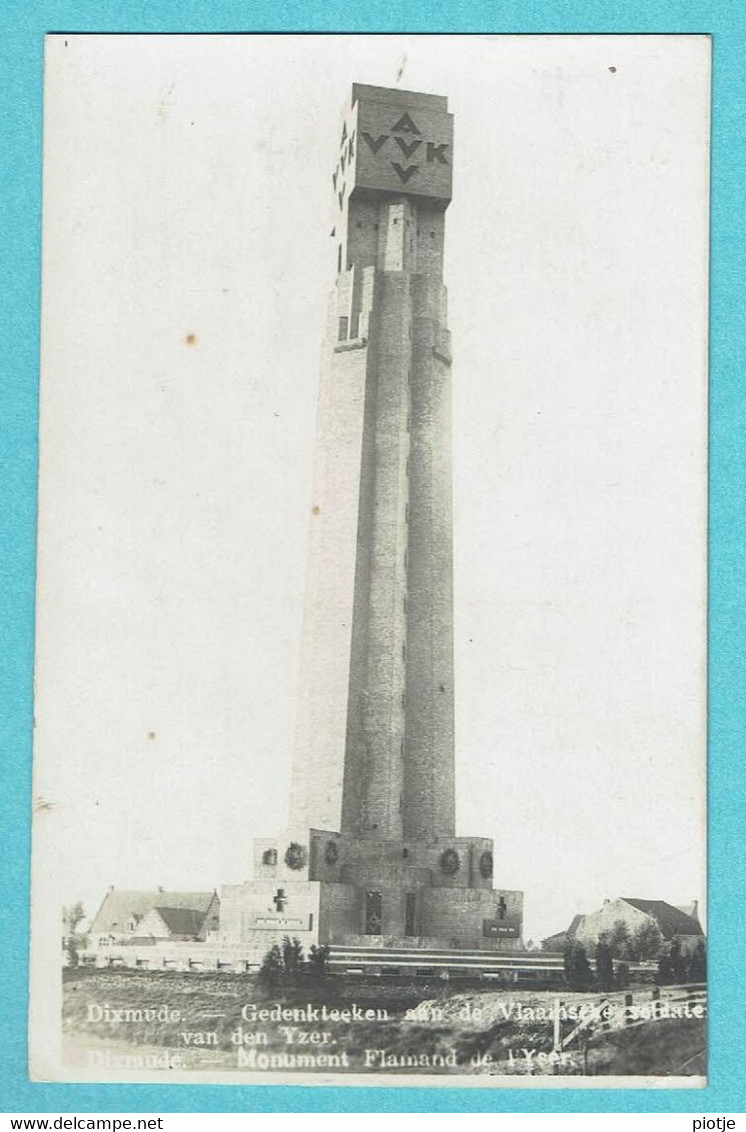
(673,922)
(151,916)
(560,940)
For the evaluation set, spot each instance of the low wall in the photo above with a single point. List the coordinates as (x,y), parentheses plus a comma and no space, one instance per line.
(173,957)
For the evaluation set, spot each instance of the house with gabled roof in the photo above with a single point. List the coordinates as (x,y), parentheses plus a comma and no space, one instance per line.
(560,940)
(673,922)
(137,916)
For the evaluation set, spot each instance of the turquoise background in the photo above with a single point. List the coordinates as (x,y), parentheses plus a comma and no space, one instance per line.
(22,28)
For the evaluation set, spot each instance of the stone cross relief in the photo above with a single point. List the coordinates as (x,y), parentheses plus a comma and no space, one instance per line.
(280,900)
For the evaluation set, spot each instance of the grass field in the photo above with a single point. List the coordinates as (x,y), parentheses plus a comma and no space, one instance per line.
(212,1022)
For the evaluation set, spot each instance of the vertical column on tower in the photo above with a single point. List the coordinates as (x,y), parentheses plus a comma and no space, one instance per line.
(374,744)
(429,774)
(326,660)
(374,771)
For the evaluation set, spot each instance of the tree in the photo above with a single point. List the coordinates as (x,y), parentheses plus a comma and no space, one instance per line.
(578,972)
(285,963)
(567,960)
(318,957)
(664,969)
(698,963)
(646,941)
(292,955)
(619,939)
(621,980)
(672,965)
(297,953)
(678,962)
(604,966)
(72,915)
(271,969)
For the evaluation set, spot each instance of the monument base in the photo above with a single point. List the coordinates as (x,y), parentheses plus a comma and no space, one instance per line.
(325,887)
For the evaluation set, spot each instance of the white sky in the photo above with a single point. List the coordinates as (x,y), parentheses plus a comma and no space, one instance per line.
(188,191)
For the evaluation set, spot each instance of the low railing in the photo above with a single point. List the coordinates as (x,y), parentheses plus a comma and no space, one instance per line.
(182,957)
(617,1012)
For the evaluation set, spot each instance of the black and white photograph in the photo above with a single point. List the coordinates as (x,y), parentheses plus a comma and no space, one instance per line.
(370,678)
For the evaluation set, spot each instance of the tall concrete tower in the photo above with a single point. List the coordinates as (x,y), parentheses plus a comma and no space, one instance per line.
(370,854)
(375,750)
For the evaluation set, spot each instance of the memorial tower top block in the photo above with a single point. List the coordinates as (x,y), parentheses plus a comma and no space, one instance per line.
(395,141)
(394,145)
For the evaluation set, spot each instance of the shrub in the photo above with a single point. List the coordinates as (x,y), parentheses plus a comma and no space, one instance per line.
(698,963)
(318,958)
(71,952)
(578,974)
(678,963)
(271,969)
(292,955)
(619,939)
(646,942)
(672,965)
(604,966)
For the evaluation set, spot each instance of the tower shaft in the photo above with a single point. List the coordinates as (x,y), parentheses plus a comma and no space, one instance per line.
(399,755)
(375,749)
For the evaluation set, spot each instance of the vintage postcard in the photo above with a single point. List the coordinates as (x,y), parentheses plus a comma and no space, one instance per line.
(370,669)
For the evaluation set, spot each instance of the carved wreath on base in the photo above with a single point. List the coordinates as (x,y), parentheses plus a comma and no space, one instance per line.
(449,862)
(485,864)
(295,856)
(331,853)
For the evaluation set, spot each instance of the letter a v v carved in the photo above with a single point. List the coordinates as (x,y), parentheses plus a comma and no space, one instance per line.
(408,148)
(404,174)
(405,125)
(375,143)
